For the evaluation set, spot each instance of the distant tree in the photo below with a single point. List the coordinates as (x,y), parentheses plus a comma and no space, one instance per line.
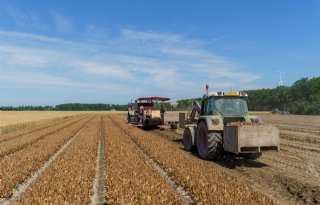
(95,106)
(303,97)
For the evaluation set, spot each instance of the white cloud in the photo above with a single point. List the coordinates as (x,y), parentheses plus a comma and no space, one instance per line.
(150,36)
(18,16)
(28,36)
(167,64)
(23,19)
(40,79)
(188,56)
(102,69)
(18,57)
(62,23)
(95,31)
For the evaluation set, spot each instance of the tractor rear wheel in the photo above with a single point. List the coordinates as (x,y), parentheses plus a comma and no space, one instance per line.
(209,144)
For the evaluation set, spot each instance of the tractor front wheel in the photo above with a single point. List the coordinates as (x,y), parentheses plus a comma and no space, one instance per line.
(209,144)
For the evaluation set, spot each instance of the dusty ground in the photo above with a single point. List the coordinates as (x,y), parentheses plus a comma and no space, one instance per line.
(291,176)
(143,166)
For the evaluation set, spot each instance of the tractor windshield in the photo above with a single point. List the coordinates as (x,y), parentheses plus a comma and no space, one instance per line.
(226,106)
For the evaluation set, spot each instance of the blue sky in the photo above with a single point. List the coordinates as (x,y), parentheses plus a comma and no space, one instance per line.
(54,52)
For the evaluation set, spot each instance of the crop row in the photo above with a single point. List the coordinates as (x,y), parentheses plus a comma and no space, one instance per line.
(15,168)
(207,183)
(18,143)
(69,179)
(20,132)
(8,118)
(130,178)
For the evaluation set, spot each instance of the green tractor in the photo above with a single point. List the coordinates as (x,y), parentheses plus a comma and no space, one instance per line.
(222,124)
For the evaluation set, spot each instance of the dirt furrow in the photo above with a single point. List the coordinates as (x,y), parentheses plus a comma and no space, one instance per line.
(278,183)
(16,144)
(310,163)
(18,166)
(130,177)
(204,180)
(301,146)
(99,189)
(300,123)
(299,128)
(301,137)
(69,179)
(302,168)
(179,188)
(292,173)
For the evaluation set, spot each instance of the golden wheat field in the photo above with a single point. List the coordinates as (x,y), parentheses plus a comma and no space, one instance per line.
(12,120)
(16,117)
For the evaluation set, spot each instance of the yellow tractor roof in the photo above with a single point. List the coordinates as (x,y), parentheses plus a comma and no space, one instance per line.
(230,93)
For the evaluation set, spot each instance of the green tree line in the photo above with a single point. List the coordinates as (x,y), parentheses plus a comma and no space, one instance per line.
(68,107)
(96,106)
(303,97)
(26,108)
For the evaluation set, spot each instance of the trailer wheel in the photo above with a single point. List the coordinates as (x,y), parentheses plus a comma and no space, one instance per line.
(187,140)
(209,144)
(174,125)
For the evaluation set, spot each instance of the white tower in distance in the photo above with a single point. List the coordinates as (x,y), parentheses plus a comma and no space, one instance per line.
(281,82)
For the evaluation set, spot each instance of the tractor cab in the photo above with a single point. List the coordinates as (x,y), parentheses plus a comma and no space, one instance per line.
(229,106)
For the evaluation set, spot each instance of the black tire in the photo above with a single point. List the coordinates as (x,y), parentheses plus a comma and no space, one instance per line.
(187,140)
(135,119)
(174,126)
(209,144)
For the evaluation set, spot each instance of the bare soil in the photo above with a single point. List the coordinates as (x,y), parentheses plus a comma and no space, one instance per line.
(290,176)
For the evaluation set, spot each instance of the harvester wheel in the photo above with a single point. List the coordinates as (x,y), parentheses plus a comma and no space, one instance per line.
(187,140)
(209,144)
(174,125)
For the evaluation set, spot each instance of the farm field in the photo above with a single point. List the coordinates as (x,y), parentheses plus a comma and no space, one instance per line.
(17,117)
(95,158)
(291,176)
(14,120)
